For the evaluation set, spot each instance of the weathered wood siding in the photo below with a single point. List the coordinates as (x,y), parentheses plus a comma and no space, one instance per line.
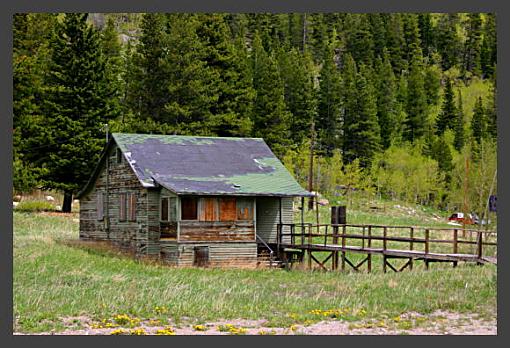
(216,231)
(169,252)
(127,234)
(221,254)
(268,216)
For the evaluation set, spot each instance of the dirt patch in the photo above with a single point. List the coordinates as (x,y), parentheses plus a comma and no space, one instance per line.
(411,323)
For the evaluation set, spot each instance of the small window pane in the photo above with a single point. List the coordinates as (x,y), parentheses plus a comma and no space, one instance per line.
(164,209)
(119,156)
(244,209)
(188,208)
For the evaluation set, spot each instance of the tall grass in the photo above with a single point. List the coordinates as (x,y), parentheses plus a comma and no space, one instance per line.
(53,281)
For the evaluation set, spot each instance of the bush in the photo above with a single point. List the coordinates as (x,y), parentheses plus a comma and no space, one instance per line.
(31,206)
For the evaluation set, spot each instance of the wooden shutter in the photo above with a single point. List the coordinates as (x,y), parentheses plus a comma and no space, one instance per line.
(122,207)
(208,209)
(188,208)
(227,209)
(132,207)
(164,209)
(99,206)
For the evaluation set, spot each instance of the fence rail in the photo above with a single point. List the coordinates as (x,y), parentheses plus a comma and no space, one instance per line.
(414,242)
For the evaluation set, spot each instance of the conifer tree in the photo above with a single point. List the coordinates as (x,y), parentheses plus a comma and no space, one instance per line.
(359,39)
(488,50)
(447,116)
(395,42)
(329,119)
(361,129)
(448,41)
(472,46)
(416,104)
(387,108)
(426,33)
(295,71)
(230,115)
(148,91)
(78,102)
(442,154)
(479,121)
(270,114)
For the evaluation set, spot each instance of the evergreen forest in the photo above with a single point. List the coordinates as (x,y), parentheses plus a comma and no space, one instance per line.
(393,106)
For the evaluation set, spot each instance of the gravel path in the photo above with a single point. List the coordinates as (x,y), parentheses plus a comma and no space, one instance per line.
(437,323)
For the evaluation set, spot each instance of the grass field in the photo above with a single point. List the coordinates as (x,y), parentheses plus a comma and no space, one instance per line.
(54,282)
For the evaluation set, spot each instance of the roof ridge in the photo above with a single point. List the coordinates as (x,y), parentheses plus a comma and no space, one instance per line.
(185,136)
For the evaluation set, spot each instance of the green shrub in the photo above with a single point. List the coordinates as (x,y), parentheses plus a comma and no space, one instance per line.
(28,206)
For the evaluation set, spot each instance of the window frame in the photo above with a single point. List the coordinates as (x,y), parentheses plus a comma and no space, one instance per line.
(122,206)
(131,207)
(196,199)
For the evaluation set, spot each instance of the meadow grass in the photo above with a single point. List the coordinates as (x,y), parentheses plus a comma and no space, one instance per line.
(54,281)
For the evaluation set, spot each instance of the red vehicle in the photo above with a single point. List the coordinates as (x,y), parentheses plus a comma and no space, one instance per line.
(462,218)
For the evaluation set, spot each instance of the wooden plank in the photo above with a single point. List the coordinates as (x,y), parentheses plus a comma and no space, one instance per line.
(228,210)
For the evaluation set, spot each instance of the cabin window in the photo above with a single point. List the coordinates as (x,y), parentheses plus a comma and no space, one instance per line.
(201,256)
(227,209)
(119,156)
(122,206)
(244,209)
(99,206)
(164,209)
(132,207)
(189,208)
(208,209)
(168,209)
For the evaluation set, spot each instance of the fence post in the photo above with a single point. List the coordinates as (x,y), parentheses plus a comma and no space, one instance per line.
(369,242)
(343,246)
(411,246)
(479,244)
(455,244)
(426,248)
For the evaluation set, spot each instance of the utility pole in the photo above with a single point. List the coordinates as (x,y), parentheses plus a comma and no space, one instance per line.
(310,171)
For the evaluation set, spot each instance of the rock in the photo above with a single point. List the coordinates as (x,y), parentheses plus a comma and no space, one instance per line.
(58,207)
(17,198)
(323,201)
(15,204)
(50,198)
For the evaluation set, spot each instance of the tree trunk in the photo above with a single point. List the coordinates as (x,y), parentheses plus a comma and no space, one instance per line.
(68,201)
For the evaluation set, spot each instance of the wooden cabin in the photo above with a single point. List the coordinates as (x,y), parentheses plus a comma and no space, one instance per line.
(206,201)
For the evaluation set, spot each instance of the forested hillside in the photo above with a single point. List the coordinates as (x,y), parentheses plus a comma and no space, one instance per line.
(398,106)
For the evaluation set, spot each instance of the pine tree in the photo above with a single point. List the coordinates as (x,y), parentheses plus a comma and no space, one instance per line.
(416,104)
(270,114)
(479,121)
(412,37)
(447,116)
(472,48)
(377,29)
(426,33)
(488,53)
(386,90)
(329,119)
(361,129)
(193,87)
(458,129)
(432,84)
(300,98)
(148,91)
(360,44)
(448,41)
(77,104)
(230,115)
(395,42)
